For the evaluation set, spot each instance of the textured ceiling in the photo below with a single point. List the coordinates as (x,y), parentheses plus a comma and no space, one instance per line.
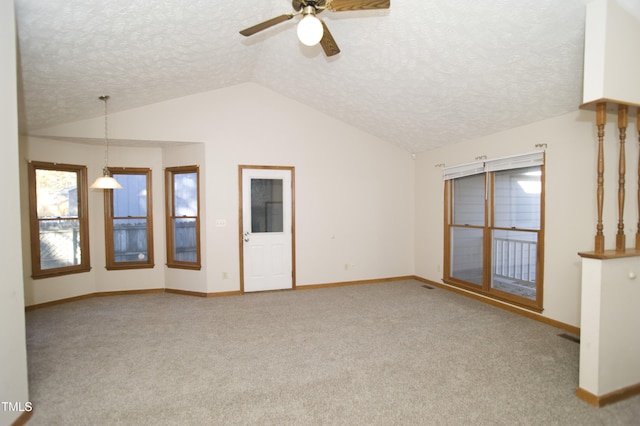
(422,74)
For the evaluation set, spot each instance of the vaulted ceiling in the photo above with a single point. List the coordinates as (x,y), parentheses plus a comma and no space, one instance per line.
(421,74)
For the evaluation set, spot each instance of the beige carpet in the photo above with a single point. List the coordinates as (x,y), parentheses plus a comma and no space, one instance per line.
(378,354)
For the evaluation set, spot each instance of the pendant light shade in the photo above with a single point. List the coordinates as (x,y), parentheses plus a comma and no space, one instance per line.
(106,181)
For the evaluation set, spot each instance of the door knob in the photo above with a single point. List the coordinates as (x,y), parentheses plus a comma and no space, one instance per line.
(246,237)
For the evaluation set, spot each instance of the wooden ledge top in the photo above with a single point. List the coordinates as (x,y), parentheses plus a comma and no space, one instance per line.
(610,254)
(612,104)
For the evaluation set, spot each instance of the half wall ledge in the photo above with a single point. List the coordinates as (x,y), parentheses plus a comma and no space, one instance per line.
(610,254)
(612,105)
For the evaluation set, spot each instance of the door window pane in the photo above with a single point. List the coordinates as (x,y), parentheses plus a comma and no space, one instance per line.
(514,262)
(466,254)
(468,200)
(266,205)
(517,198)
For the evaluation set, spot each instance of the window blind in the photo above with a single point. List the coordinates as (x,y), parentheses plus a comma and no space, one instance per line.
(504,163)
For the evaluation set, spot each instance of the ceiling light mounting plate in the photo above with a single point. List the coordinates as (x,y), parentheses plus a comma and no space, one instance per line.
(319,5)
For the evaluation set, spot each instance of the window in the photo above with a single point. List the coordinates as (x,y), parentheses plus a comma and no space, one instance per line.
(183,217)
(494,228)
(58,219)
(128,220)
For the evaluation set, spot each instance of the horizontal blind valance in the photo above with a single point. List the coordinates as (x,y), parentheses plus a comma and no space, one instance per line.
(505,163)
(462,170)
(515,162)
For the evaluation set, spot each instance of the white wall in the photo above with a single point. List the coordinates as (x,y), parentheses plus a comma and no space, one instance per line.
(611,62)
(570,198)
(13,354)
(354,192)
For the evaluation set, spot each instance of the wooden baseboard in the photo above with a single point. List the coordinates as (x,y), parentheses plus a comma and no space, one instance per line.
(298,287)
(609,398)
(59,302)
(225,293)
(90,295)
(23,419)
(127,292)
(202,294)
(569,328)
(503,305)
(349,283)
(185,292)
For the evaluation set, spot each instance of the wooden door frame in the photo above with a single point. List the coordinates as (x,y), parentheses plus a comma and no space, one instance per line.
(291,169)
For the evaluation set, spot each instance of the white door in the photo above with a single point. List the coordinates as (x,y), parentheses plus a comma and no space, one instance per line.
(267,228)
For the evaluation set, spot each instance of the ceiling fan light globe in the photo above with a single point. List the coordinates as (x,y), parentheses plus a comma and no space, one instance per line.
(310,30)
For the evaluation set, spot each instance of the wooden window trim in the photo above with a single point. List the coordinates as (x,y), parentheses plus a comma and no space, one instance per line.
(170,172)
(111,264)
(34,222)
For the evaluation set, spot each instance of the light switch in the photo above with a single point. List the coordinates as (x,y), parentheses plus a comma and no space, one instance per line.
(221,222)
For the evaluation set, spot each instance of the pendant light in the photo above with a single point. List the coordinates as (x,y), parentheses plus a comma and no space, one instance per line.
(106,181)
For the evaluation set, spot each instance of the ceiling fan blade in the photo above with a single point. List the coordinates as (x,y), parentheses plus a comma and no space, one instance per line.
(266,24)
(345,5)
(327,42)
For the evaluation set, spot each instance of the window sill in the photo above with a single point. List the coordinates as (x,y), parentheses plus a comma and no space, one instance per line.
(129,266)
(60,272)
(184,266)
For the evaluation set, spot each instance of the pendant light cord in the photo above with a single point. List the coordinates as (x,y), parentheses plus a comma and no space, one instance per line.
(106,181)
(105,169)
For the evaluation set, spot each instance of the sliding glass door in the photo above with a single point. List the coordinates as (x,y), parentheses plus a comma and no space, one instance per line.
(494,231)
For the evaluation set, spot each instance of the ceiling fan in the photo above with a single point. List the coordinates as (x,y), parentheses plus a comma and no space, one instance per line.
(312,30)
